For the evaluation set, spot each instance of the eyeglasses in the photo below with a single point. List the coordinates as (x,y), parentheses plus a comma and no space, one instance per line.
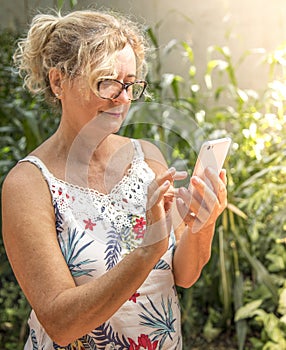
(111,88)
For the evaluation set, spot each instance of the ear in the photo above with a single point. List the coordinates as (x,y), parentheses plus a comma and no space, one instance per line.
(56,78)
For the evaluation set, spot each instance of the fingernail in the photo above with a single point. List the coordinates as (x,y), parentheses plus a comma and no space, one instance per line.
(172,170)
(182,191)
(196,180)
(182,173)
(166,183)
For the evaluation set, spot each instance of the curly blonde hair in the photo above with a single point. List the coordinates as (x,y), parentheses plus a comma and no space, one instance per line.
(80,43)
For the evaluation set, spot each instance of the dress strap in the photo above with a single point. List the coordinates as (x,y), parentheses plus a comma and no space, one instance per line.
(138,149)
(39,164)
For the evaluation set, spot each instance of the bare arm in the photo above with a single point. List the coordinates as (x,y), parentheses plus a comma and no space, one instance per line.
(194,234)
(34,253)
(194,243)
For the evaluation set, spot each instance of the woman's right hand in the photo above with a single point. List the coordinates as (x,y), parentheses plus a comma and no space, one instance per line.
(158,210)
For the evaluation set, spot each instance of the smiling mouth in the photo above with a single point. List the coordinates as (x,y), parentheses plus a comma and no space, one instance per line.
(114,114)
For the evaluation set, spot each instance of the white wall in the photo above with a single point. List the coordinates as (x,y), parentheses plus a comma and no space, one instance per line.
(239,24)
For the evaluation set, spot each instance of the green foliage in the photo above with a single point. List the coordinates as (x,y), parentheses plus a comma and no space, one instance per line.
(247,268)
(25,122)
(13,316)
(25,119)
(241,294)
(72,3)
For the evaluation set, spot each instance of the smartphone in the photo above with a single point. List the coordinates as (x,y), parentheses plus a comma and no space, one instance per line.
(212,154)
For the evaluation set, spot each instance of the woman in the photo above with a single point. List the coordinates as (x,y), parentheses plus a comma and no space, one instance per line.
(87,215)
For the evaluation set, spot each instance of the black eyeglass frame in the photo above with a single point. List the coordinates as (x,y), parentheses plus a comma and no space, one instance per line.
(125,86)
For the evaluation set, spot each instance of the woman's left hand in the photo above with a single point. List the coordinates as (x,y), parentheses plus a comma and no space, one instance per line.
(201,204)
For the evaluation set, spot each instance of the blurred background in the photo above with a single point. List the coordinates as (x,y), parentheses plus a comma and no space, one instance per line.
(216,68)
(241,25)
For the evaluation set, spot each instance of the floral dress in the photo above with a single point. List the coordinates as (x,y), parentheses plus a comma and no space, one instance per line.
(95,231)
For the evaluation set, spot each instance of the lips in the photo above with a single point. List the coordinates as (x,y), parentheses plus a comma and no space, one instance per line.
(114,114)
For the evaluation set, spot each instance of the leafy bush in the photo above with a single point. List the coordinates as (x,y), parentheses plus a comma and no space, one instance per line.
(24,123)
(241,293)
(242,289)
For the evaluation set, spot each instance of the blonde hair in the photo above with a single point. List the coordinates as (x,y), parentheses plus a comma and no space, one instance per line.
(80,43)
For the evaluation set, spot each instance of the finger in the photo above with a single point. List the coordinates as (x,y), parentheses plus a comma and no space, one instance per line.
(212,179)
(190,197)
(194,221)
(190,206)
(214,203)
(222,196)
(209,200)
(180,175)
(162,177)
(156,193)
(201,189)
(173,175)
(221,189)
(219,184)
(223,176)
(199,214)
(158,222)
(185,195)
(184,212)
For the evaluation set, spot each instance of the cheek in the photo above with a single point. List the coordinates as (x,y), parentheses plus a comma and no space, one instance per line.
(126,109)
(94,104)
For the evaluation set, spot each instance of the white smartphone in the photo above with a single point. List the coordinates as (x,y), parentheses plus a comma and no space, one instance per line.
(212,154)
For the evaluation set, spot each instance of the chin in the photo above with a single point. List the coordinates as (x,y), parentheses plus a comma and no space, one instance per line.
(116,128)
(116,131)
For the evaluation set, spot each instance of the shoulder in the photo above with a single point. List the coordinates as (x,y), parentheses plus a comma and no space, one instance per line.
(23,183)
(26,204)
(23,172)
(153,156)
(151,150)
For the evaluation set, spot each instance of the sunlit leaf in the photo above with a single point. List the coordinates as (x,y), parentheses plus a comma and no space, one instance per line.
(60,4)
(282,302)
(73,3)
(248,310)
(188,51)
(236,210)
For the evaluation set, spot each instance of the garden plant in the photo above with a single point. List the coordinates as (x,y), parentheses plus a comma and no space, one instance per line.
(239,302)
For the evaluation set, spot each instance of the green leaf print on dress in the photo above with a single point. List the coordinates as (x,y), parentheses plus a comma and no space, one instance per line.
(71,251)
(162,322)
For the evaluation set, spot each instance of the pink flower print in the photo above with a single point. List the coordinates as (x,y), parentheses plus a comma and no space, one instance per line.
(140,227)
(134,296)
(89,224)
(143,343)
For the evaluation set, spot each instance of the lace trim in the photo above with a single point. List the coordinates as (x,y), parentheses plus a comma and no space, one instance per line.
(135,161)
(127,197)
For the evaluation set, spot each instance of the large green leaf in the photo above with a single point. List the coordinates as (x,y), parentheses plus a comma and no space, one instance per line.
(248,310)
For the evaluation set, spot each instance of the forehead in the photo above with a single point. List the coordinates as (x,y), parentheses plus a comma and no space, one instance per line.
(126,61)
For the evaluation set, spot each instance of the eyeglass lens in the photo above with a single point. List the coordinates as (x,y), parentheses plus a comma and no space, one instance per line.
(111,89)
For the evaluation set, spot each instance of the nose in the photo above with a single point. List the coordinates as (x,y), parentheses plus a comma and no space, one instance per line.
(123,97)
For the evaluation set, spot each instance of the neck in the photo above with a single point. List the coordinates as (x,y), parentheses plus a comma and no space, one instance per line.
(78,150)
(82,144)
